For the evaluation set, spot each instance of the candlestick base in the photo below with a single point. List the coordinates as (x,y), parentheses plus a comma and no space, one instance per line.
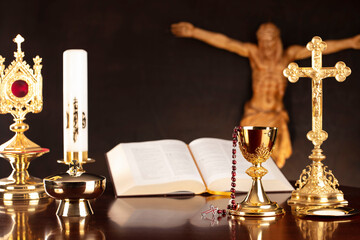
(74,208)
(74,191)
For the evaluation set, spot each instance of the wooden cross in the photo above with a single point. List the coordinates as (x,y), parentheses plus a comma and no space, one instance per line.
(317,73)
(18,40)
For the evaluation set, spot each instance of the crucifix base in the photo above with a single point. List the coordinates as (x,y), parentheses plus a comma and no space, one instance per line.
(317,187)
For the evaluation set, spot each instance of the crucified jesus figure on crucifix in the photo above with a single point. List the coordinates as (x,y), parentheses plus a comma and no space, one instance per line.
(267,60)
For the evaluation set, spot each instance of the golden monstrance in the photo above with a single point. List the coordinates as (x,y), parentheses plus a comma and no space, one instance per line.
(21,93)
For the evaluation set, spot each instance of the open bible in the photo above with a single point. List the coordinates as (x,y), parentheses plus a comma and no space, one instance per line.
(173,167)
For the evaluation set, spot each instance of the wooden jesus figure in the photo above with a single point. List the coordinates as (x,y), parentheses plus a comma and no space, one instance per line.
(267,60)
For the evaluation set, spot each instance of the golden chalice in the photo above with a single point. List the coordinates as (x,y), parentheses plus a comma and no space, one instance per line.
(256,145)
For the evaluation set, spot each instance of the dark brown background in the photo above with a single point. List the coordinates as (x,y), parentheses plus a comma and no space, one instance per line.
(145,84)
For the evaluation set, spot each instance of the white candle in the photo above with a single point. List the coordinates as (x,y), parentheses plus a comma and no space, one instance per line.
(75,102)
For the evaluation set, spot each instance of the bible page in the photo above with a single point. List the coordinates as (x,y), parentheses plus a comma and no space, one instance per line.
(160,165)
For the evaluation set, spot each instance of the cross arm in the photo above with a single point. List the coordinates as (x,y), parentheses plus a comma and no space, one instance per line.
(340,71)
(293,72)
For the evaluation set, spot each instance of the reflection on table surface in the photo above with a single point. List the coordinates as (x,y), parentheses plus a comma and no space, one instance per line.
(177,217)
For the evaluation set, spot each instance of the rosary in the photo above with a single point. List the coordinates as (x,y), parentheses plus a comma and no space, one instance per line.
(215,211)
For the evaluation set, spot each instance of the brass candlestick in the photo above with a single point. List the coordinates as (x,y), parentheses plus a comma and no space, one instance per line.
(256,145)
(20,93)
(317,186)
(74,189)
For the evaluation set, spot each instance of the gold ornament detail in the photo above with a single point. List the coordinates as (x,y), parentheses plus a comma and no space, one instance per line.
(317,185)
(20,72)
(75,168)
(261,154)
(67,120)
(83,120)
(75,120)
(256,172)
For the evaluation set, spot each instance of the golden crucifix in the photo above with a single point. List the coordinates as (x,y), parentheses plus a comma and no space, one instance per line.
(317,186)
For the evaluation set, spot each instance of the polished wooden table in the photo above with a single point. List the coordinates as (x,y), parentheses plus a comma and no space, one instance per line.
(169,218)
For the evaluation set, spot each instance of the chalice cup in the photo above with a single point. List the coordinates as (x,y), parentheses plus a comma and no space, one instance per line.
(256,145)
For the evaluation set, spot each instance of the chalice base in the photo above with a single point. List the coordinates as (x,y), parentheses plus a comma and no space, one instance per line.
(30,189)
(252,210)
(74,208)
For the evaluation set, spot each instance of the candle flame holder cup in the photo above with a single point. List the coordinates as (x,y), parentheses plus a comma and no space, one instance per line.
(74,190)
(256,145)
(20,93)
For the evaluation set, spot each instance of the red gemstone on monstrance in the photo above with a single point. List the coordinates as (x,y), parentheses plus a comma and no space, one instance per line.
(20,88)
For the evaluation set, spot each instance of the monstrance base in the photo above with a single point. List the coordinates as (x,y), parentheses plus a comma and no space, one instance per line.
(74,208)
(32,189)
(257,210)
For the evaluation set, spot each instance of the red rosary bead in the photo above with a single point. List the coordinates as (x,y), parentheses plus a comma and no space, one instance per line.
(233,172)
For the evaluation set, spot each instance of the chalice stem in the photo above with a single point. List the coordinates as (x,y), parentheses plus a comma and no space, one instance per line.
(257,193)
